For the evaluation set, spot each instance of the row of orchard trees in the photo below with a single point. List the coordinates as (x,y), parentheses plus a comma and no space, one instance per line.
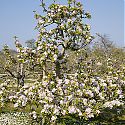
(71,79)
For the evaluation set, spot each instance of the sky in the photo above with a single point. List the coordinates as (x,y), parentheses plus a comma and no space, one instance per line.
(17,19)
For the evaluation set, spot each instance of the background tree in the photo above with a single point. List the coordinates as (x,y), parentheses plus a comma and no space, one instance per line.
(30,43)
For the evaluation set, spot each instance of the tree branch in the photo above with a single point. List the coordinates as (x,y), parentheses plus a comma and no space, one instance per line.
(10,73)
(7,70)
(43,5)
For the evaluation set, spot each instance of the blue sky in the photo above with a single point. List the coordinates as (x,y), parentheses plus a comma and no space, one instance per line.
(17,18)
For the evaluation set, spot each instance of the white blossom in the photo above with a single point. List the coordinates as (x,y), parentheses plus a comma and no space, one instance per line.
(64,112)
(88,110)
(54,118)
(99,64)
(16,105)
(72,109)
(55,57)
(34,114)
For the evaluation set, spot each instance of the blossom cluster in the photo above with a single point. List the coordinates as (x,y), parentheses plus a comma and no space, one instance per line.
(69,96)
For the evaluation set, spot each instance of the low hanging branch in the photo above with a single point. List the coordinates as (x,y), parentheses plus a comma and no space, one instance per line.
(8,71)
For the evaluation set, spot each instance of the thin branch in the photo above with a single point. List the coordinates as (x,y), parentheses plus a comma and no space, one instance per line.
(7,70)
(2,76)
(103,40)
(43,5)
(10,73)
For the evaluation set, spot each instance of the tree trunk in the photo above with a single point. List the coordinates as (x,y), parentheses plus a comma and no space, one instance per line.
(44,69)
(58,64)
(20,75)
(58,67)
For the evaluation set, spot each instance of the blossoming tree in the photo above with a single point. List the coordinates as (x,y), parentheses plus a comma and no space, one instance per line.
(56,95)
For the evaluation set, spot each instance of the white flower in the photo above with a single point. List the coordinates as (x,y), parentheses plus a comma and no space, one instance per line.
(34,114)
(39,47)
(16,105)
(24,103)
(3,88)
(52,14)
(116,102)
(74,12)
(46,106)
(44,77)
(45,53)
(80,113)
(49,13)
(41,101)
(79,92)
(88,110)
(53,90)
(99,64)
(30,93)
(61,102)
(50,31)
(93,80)
(104,84)
(59,10)
(102,80)
(76,74)
(43,110)
(42,94)
(97,111)
(59,81)
(108,104)
(90,115)
(18,49)
(10,97)
(62,26)
(89,92)
(89,27)
(54,118)
(26,92)
(119,91)
(85,101)
(79,28)
(33,87)
(67,81)
(49,99)
(44,83)
(69,21)
(72,109)
(19,101)
(55,57)
(33,51)
(96,90)
(64,112)
(56,111)
(1,92)
(101,97)
(40,21)
(93,101)
(52,82)
(121,96)
(70,97)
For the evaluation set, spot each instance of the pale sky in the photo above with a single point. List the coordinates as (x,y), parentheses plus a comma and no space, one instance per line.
(17,18)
